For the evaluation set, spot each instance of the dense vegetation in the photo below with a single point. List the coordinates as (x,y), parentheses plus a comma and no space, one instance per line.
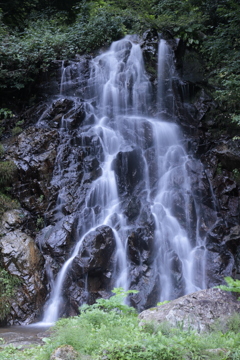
(34,33)
(110,330)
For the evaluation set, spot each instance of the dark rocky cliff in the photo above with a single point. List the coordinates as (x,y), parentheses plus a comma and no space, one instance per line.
(38,237)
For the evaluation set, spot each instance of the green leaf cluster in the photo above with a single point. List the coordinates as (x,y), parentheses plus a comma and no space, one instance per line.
(23,56)
(232,285)
(8,171)
(221,51)
(8,285)
(115,303)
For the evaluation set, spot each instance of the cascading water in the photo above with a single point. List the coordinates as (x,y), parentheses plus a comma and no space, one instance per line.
(141,158)
(165,101)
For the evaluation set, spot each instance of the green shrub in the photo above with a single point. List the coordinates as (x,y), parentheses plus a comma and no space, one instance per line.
(16,130)
(8,285)
(7,172)
(5,113)
(7,203)
(1,150)
(232,285)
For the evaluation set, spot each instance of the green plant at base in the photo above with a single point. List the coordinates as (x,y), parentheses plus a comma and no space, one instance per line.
(232,285)
(115,302)
(8,284)
(162,302)
(105,332)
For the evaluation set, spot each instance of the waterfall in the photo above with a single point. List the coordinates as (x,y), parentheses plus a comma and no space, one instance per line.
(154,169)
(165,102)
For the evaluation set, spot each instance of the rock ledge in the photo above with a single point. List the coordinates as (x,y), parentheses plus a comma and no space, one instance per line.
(197,310)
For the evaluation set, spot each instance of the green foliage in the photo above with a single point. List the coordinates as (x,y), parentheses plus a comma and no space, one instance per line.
(236,119)
(226,325)
(1,150)
(115,302)
(233,323)
(232,285)
(182,20)
(7,172)
(221,51)
(106,331)
(162,302)
(8,284)
(16,130)
(17,12)
(102,28)
(5,113)
(60,30)
(23,57)
(7,203)
(236,175)
(39,223)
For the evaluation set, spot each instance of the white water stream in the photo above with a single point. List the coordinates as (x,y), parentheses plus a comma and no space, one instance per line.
(118,98)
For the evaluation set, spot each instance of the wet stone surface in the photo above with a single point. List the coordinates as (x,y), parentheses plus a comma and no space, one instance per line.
(23,336)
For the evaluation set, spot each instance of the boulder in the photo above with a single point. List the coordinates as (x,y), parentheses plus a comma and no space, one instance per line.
(197,311)
(64,352)
(12,219)
(57,240)
(95,253)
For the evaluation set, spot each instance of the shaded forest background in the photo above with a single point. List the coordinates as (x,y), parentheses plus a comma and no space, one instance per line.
(35,33)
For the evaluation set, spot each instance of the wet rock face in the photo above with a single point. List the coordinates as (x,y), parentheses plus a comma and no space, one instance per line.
(197,311)
(34,153)
(96,250)
(21,257)
(222,238)
(149,47)
(59,159)
(128,167)
(63,112)
(92,271)
(57,241)
(216,185)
